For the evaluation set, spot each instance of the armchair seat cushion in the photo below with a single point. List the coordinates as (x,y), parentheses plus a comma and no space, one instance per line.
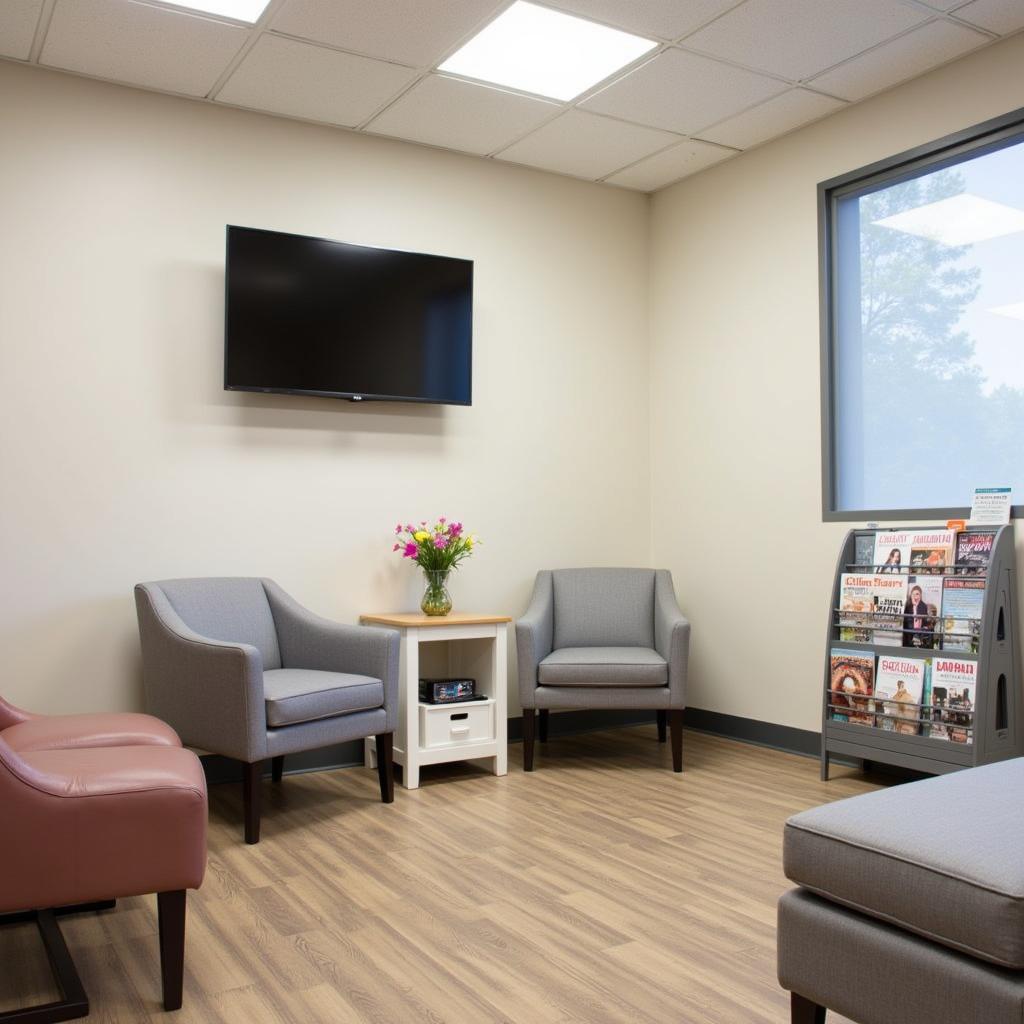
(295,695)
(68,732)
(603,666)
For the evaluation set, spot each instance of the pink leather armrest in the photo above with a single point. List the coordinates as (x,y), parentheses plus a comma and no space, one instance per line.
(85,825)
(114,729)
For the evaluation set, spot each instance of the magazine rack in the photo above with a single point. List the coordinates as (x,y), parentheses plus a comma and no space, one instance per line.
(996,722)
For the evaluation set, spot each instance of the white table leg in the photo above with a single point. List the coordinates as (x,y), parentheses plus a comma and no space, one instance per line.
(411,704)
(499,673)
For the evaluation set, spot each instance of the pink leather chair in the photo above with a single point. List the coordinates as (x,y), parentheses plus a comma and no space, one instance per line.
(97,807)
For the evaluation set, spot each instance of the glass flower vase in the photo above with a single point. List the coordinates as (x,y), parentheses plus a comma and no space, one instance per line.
(436,599)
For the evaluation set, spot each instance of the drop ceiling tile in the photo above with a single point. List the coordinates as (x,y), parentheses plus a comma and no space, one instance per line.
(670,165)
(140,45)
(284,76)
(772,118)
(18,20)
(682,92)
(460,115)
(667,19)
(586,145)
(1002,16)
(799,38)
(913,54)
(416,32)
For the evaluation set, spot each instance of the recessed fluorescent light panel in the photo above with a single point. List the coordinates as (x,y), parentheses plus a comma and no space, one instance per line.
(1015,310)
(959,220)
(240,10)
(538,50)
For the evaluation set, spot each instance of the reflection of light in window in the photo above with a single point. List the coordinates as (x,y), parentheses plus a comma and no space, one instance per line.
(1015,310)
(959,220)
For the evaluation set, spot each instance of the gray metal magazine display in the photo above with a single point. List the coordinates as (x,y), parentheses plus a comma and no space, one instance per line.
(922,664)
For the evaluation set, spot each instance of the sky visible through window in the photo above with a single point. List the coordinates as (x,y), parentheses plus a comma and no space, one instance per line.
(929,320)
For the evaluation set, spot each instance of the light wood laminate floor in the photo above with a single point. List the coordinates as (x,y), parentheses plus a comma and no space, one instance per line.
(601,889)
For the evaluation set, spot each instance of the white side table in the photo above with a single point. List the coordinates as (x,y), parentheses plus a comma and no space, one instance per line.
(469,646)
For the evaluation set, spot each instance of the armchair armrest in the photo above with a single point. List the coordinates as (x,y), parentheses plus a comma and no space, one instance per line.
(209,691)
(534,636)
(11,715)
(671,636)
(310,641)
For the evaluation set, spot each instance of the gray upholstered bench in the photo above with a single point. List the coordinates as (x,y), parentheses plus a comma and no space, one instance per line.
(911,903)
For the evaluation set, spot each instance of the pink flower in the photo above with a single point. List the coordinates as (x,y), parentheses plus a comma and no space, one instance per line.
(442,520)
(396,547)
(398,528)
(411,550)
(409,528)
(454,529)
(440,541)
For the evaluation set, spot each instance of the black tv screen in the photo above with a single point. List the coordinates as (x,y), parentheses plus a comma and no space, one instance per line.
(317,317)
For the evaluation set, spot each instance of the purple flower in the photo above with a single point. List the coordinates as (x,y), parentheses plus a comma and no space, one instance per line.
(398,528)
(411,550)
(396,547)
(409,528)
(440,541)
(442,520)
(455,529)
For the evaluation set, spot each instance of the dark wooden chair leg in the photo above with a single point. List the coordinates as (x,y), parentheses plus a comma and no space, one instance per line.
(528,727)
(542,731)
(662,726)
(171,917)
(803,1011)
(675,721)
(386,766)
(277,768)
(252,779)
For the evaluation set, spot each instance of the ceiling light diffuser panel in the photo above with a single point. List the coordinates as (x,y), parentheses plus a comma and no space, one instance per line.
(240,10)
(545,52)
(959,220)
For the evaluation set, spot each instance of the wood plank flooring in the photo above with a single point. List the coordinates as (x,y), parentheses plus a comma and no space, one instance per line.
(601,889)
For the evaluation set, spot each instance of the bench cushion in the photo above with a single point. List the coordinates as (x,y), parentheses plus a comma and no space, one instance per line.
(940,858)
(603,666)
(296,695)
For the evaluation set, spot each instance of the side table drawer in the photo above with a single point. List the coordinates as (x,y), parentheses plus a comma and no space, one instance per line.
(448,725)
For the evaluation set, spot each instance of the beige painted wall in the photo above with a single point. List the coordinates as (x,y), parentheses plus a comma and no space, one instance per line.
(735,417)
(123,460)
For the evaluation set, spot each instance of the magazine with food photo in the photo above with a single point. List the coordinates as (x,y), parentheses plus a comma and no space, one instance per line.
(973,552)
(890,602)
(895,550)
(852,681)
(921,611)
(957,678)
(899,687)
(856,607)
(962,601)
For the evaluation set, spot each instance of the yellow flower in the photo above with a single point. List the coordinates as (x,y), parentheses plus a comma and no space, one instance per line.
(421,535)
(470,541)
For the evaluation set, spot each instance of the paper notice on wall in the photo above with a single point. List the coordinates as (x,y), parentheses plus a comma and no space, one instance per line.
(991,506)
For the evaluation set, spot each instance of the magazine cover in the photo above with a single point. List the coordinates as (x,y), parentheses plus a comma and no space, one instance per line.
(956,678)
(851,686)
(973,551)
(895,550)
(921,612)
(936,700)
(899,682)
(890,603)
(856,607)
(962,601)
(864,553)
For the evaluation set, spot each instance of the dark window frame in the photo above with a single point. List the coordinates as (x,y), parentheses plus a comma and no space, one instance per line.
(988,136)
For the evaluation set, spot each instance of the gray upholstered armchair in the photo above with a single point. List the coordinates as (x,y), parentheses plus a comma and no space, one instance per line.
(603,638)
(239,668)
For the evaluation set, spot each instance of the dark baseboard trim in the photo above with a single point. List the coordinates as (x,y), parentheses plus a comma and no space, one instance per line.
(563,723)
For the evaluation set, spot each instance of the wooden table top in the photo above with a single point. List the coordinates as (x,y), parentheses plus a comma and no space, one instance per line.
(401,619)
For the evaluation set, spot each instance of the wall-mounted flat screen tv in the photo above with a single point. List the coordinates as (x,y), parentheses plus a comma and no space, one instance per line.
(309,316)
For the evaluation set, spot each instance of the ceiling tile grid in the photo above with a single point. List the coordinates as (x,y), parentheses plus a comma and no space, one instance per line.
(285,76)
(466,116)
(682,92)
(725,75)
(18,20)
(140,44)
